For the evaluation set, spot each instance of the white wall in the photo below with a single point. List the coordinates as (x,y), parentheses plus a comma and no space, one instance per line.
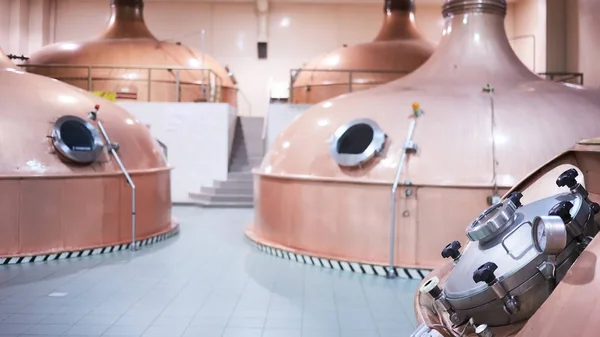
(530,19)
(4,24)
(589,40)
(197,137)
(280,116)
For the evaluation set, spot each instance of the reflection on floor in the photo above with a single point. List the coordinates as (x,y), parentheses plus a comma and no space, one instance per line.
(209,281)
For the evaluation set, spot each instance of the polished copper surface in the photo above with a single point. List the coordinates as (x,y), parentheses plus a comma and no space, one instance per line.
(397,50)
(128,42)
(5,62)
(50,206)
(566,312)
(305,201)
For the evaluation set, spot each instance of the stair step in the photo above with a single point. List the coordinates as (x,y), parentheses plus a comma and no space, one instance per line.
(234,184)
(215,204)
(240,175)
(241,168)
(222,198)
(245,190)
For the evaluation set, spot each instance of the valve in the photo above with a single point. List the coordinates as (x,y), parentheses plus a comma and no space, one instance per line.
(515,197)
(562,210)
(567,178)
(431,287)
(93,115)
(452,250)
(488,88)
(485,273)
(417,111)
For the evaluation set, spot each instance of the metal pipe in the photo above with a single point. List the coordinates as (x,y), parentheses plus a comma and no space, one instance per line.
(493,129)
(350,82)
(127,177)
(291,94)
(89,80)
(149,84)
(203,65)
(177,85)
(411,130)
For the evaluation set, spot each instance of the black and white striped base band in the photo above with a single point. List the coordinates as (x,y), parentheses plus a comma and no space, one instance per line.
(88,252)
(362,268)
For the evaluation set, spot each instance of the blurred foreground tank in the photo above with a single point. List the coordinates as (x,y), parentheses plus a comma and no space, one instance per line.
(483,123)
(128,62)
(63,193)
(531,274)
(397,50)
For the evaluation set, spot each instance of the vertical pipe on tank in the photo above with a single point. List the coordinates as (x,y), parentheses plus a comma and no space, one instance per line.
(113,150)
(408,145)
(203,66)
(490,91)
(89,79)
(177,84)
(149,84)
(350,81)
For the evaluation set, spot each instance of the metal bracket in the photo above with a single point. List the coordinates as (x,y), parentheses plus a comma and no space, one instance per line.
(410,147)
(511,305)
(113,146)
(488,88)
(548,269)
(494,199)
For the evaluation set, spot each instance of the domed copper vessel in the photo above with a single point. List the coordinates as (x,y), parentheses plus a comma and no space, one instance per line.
(117,62)
(566,311)
(397,50)
(486,122)
(60,189)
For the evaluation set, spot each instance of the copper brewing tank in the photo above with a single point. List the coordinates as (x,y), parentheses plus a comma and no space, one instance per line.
(127,42)
(52,204)
(566,311)
(474,142)
(397,50)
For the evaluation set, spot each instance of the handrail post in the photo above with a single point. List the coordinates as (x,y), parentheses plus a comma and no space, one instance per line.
(177,85)
(408,146)
(350,81)
(149,84)
(113,150)
(89,79)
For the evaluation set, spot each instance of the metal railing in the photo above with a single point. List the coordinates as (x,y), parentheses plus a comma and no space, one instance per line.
(566,77)
(164,148)
(206,80)
(352,75)
(353,79)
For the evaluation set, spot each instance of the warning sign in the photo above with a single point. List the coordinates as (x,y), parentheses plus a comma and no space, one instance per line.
(111,96)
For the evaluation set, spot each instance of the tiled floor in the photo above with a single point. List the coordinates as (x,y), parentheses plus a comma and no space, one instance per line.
(209,281)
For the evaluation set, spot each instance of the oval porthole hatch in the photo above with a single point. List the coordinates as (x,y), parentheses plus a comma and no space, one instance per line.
(357,142)
(76,140)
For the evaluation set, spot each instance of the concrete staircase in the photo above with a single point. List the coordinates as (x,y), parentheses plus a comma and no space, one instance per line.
(247,153)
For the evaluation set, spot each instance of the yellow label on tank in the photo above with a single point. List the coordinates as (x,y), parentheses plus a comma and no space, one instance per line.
(111,96)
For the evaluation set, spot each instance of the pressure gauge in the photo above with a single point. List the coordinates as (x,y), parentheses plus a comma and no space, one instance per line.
(549,234)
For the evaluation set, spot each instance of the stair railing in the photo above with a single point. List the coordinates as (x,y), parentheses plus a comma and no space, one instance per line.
(265,128)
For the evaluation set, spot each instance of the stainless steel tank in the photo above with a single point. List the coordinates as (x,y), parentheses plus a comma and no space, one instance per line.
(516,256)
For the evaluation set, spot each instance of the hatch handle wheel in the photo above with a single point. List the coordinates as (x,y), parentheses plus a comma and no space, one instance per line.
(452,250)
